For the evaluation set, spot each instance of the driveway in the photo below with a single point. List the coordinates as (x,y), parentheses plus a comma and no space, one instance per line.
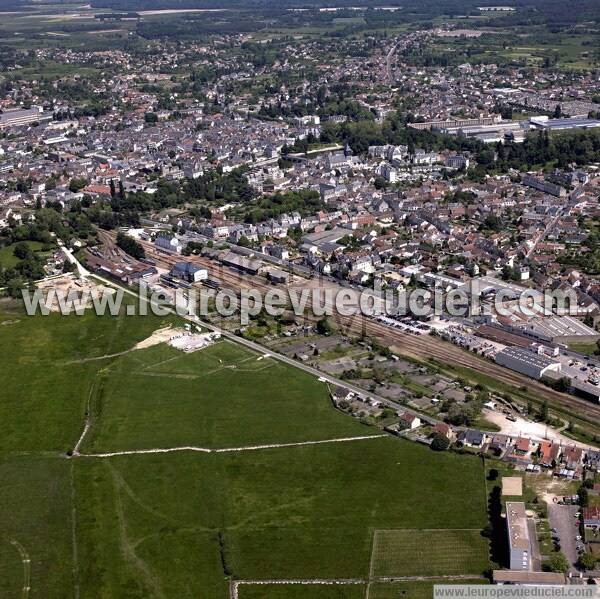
(536,558)
(562,517)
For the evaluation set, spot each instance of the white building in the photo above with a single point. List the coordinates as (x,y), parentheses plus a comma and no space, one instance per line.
(168,243)
(526,362)
(519,541)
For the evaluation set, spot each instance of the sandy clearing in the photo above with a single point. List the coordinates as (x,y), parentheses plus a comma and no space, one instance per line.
(525,428)
(159,336)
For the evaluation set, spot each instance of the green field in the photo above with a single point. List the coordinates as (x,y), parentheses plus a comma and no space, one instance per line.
(287,513)
(412,590)
(8,258)
(584,348)
(223,396)
(35,495)
(44,388)
(183,524)
(429,552)
(298,591)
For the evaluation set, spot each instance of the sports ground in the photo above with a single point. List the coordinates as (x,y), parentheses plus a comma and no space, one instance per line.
(220,473)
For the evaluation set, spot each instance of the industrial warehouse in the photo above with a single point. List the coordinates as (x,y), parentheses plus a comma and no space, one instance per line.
(527,362)
(560,329)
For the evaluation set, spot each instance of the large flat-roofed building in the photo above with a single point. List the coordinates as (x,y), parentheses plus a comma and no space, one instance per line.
(325,237)
(487,285)
(560,329)
(526,362)
(21,116)
(578,122)
(519,542)
(427,125)
(490,133)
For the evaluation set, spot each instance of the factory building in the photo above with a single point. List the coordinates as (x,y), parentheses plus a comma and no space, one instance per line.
(519,542)
(560,329)
(526,362)
(455,123)
(546,124)
(490,133)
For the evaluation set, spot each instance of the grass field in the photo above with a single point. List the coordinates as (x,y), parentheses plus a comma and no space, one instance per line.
(36,513)
(277,591)
(429,552)
(412,589)
(223,396)
(44,397)
(8,258)
(288,513)
(183,524)
(584,348)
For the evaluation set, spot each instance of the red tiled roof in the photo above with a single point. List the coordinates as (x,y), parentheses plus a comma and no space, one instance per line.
(522,444)
(591,513)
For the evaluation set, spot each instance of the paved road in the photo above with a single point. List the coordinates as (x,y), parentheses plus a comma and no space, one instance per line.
(82,271)
(562,517)
(388,62)
(547,230)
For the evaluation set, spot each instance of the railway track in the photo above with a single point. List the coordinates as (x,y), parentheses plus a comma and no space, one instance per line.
(422,347)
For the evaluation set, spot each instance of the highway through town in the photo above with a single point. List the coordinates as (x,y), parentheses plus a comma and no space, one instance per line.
(388,62)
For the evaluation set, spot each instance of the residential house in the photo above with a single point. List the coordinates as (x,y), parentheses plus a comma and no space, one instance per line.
(409,421)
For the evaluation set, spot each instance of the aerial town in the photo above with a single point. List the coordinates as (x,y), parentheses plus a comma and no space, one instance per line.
(439,150)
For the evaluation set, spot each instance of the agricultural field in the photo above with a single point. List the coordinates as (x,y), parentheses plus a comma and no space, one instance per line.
(413,589)
(428,552)
(299,591)
(566,52)
(126,518)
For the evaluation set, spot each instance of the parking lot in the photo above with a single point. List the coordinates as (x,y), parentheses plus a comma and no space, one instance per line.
(406,323)
(587,371)
(565,527)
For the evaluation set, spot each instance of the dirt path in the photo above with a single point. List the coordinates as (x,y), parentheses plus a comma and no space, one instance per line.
(98,358)
(26,567)
(236,584)
(88,417)
(225,449)
(127,546)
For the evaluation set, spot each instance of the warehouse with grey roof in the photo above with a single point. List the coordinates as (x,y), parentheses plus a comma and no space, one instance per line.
(560,329)
(526,362)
